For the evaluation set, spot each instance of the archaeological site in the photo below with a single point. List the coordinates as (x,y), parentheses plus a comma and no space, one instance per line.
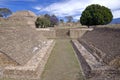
(30,53)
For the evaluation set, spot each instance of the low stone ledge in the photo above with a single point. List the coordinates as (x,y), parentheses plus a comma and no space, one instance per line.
(90,59)
(34,67)
(79,32)
(47,32)
(90,65)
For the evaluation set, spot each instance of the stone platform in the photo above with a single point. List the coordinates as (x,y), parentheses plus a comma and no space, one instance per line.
(91,65)
(33,68)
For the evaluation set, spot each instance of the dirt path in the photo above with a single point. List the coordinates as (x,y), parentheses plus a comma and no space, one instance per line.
(62,63)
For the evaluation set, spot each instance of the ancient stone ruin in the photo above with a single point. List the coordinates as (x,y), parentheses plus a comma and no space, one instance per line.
(98,52)
(20,18)
(23,50)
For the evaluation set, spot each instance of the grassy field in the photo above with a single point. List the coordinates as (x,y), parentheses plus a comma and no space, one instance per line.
(62,63)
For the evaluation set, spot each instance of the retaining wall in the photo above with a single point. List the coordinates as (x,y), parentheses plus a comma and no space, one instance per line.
(47,32)
(79,32)
(73,33)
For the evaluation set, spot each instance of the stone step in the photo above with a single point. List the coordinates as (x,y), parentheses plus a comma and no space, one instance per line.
(87,60)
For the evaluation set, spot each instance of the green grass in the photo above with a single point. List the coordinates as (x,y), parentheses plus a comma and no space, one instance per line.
(62,63)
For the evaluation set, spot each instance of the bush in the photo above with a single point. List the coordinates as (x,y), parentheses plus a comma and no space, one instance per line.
(42,22)
(96,15)
(54,20)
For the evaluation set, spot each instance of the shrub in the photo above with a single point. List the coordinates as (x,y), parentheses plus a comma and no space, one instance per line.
(96,15)
(42,22)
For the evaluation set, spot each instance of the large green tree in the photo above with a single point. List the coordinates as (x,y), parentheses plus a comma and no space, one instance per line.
(96,15)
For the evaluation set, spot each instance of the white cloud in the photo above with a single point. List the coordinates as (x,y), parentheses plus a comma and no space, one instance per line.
(76,17)
(75,7)
(116,14)
(37,7)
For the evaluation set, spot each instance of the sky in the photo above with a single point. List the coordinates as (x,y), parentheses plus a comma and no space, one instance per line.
(60,8)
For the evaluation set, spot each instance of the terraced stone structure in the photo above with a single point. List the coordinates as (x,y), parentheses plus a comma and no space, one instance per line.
(25,49)
(23,18)
(99,53)
(19,43)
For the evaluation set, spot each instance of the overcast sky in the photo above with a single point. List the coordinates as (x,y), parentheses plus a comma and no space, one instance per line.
(61,8)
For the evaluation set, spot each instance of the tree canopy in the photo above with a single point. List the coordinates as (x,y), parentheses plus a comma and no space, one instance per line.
(42,22)
(5,12)
(96,15)
(54,20)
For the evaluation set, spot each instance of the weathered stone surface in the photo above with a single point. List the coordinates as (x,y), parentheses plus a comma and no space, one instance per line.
(92,68)
(5,61)
(79,32)
(34,67)
(20,43)
(105,39)
(48,32)
(23,14)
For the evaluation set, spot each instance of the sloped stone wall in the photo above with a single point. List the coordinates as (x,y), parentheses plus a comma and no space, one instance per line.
(34,67)
(20,43)
(105,39)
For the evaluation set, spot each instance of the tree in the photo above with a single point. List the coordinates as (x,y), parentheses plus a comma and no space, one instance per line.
(47,16)
(61,21)
(54,20)
(69,18)
(42,22)
(5,12)
(96,15)
(1,15)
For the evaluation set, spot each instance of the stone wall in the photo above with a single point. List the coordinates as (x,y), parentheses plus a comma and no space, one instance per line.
(78,32)
(33,68)
(47,32)
(73,33)
(92,68)
(20,43)
(105,39)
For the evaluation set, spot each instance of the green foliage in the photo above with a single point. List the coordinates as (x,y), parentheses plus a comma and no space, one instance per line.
(53,19)
(96,15)
(42,22)
(5,12)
